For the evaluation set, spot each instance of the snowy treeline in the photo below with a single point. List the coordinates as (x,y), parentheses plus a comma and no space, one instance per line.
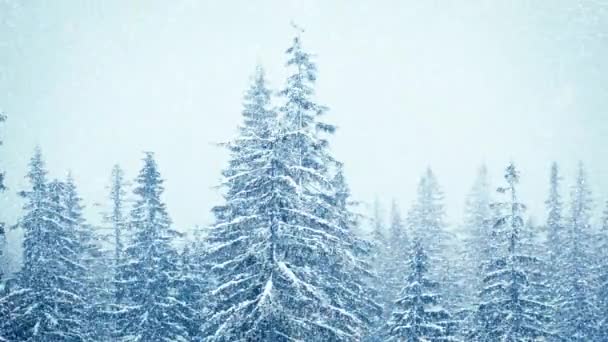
(289,258)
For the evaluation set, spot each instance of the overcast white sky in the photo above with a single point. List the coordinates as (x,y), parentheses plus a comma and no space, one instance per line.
(449,84)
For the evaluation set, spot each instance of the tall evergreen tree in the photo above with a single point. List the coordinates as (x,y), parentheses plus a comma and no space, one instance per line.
(378,236)
(578,316)
(379,257)
(396,255)
(555,225)
(477,222)
(89,257)
(116,216)
(352,291)
(191,285)
(418,315)
(427,217)
(110,258)
(243,240)
(52,303)
(510,308)
(312,166)
(285,261)
(149,310)
(477,236)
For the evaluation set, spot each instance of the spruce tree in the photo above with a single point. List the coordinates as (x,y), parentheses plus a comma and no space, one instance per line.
(511,308)
(353,292)
(397,255)
(578,312)
(243,240)
(418,315)
(313,165)
(116,220)
(90,257)
(477,236)
(192,285)
(379,260)
(378,236)
(149,310)
(282,250)
(51,303)
(554,223)
(477,223)
(427,217)
(116,217)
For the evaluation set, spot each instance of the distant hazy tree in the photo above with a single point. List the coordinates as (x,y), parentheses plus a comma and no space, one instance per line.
(477,228)
(578,312)
(89,259)
(510,308)
(427,217)
(148,310)
(418,314)
(555,225)
(396,256)
(116,216)
(379,260)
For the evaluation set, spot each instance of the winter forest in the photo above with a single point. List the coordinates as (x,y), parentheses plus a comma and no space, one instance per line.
(291,253)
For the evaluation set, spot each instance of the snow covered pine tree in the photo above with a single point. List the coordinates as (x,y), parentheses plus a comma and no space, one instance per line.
(477,226)
(510,308)
(578,312)
(396,257)
(286,267)
(149,310)
(50,303)
(417,315)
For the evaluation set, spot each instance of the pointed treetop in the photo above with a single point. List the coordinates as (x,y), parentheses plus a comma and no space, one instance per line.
(581,187)
(555,179)
(301,59)
(553,202)
(260,74)
(37,171)
(581,176)
(149,179)
(511,174)
(555,171)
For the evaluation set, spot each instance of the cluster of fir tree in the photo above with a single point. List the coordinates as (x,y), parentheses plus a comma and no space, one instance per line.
(499,277)
(281,262)
(73,287)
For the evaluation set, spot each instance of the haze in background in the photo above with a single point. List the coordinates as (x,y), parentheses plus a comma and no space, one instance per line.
(411,84)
